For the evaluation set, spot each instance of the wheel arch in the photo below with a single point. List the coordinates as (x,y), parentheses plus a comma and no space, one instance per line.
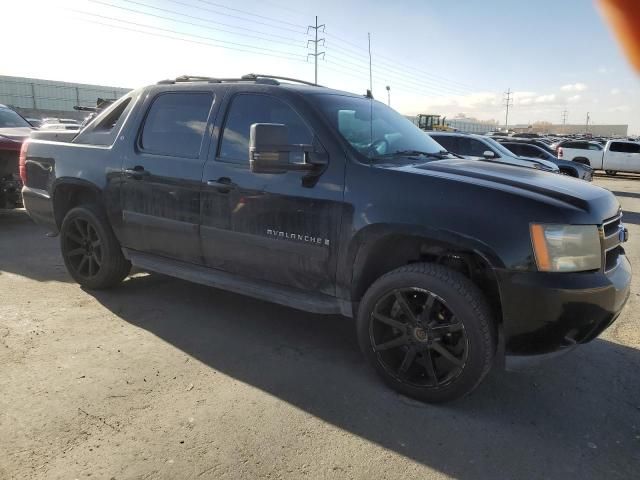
(382,248)
(71,192)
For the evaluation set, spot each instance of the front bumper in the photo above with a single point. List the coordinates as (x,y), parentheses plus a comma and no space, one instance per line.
(548,312)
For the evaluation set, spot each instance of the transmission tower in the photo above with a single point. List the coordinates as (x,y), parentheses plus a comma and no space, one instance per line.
(315,43)
(508,102)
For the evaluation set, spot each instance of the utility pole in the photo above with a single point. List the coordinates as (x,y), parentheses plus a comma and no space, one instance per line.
(586,128)
(370,74)
(315,42)
(388,95)
(564,120)
(508,102)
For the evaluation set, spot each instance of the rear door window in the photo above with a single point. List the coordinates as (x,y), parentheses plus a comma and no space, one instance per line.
(623,147)
(472,147)
(449,143)
(594,146)
(176,124)
(515,148)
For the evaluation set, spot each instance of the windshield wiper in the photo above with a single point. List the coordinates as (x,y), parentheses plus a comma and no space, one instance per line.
(413,153)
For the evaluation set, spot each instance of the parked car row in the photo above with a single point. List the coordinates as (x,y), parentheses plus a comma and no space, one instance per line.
(612,155)
(499,149)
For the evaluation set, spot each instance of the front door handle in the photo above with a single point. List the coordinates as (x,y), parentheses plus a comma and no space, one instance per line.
(137,172)
(223,184)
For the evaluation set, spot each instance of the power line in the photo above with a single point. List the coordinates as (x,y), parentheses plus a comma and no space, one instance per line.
(206,20)
(395,61)
(217,12)
(244,45)
(398,78)
(244,12)
(508,102)
(315,42)
(259,37)
(392,68)
(199,42)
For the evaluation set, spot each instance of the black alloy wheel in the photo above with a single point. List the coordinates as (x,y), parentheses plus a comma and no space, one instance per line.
(417,338)
(83,248)
(428,331)
(91,252)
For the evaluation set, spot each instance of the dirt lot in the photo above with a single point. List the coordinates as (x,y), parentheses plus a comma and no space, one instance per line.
(165,379)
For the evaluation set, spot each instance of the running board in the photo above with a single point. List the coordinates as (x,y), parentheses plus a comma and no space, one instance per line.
(290,297)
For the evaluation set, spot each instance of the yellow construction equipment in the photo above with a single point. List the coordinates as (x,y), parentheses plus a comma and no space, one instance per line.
(434,123)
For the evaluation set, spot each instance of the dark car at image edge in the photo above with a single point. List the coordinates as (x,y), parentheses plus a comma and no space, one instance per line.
(14,129)
(333,203)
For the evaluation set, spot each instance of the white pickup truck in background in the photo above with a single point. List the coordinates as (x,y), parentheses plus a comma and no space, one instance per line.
(615,156)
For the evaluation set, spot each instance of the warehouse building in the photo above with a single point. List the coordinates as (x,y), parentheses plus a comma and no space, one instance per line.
(36,98)
(597,130)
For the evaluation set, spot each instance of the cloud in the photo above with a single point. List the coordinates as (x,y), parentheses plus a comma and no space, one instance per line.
(615,91)
(574,87)
(620,108)
(551,98)
(574,98)
(605,70)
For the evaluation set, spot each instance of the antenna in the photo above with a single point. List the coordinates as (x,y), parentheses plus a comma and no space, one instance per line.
(370,74)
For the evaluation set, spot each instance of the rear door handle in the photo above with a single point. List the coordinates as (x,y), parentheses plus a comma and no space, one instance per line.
(137,172)
(223,184)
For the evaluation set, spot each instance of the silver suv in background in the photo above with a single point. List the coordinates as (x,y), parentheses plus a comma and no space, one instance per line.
(479,147)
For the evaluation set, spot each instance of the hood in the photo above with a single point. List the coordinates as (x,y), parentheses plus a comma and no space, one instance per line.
(18,134)
(572,191)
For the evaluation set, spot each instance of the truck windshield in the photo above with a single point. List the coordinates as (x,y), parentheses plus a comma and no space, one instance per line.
(375,130)
(10,119)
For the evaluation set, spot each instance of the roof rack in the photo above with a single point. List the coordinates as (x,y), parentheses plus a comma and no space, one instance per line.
(257,76)
(250,77)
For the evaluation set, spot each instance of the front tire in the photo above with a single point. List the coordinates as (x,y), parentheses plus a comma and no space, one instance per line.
(428,332)
(90,250)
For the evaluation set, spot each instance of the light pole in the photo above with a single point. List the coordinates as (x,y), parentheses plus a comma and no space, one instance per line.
(388,95)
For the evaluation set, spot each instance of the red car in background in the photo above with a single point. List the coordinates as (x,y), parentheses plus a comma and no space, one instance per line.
(14,130)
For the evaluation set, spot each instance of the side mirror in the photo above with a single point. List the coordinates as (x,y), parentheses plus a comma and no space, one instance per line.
(488,154)
(270,153)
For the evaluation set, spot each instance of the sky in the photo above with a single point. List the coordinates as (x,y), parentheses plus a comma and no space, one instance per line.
(444,57)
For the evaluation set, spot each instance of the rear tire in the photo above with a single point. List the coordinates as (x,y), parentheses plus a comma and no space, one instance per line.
(91,251)
(428,332)
(611,173)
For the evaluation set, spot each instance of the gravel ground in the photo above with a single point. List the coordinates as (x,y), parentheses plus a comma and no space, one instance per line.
(165,379)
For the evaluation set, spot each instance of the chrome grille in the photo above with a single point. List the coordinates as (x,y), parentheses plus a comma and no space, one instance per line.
(613,235)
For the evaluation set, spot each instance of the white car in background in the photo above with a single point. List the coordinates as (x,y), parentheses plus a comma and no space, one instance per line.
(615,156)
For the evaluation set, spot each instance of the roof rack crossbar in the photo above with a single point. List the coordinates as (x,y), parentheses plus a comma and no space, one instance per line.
(255,76)
(251,77)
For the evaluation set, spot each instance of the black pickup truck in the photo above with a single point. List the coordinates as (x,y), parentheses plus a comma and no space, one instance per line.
(333,203)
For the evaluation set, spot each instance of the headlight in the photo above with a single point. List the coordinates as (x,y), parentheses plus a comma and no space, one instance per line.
(566,248)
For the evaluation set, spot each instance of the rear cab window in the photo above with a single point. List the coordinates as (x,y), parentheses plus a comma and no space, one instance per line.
(103,130)
(176,123)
